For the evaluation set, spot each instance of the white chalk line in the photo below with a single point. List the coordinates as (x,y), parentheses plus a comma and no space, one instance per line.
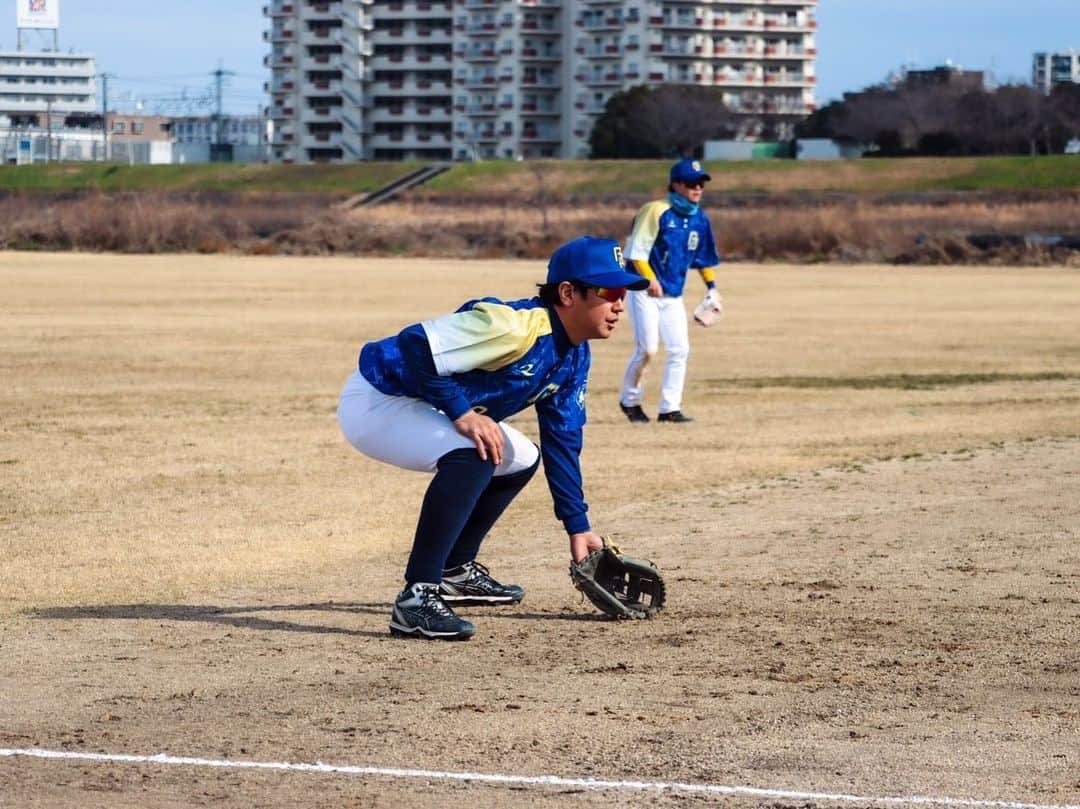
(532,780)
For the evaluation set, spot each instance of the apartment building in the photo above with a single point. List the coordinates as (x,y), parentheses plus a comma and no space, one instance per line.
(35,85)
(1050,69)
(460,79)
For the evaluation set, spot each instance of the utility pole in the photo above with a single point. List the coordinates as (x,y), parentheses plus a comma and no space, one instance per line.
(105,110)
(219,76)
(48,130)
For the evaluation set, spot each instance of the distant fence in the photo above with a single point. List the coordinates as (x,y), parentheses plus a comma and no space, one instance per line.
(19,147)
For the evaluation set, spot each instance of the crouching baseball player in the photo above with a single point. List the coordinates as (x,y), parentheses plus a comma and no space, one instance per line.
(434,397)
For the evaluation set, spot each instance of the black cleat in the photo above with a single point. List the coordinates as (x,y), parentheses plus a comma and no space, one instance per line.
(675,416)
(634,413)
(471,585)
(420,612)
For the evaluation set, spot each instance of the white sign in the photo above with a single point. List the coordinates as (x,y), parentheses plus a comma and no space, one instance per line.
(38,14)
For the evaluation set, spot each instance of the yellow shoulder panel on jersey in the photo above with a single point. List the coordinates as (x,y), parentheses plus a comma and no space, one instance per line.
(646,229)
(487,337)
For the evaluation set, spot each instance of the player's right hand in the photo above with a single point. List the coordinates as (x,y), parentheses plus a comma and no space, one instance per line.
(581,545)
(655,290)
(484,432)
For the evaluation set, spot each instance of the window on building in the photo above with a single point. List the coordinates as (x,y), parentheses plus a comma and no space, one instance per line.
(136,127)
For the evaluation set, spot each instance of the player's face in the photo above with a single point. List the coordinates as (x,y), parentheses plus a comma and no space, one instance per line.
(692,190)
(603,307)
(591,314)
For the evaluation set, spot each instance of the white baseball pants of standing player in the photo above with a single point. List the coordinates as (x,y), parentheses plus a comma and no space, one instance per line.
(657,320)
(411,434)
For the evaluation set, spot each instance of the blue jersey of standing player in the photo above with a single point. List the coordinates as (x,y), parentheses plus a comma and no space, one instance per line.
(672,244)
(498,359)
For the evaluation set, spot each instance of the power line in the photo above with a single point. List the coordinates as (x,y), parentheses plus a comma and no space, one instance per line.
(219,75)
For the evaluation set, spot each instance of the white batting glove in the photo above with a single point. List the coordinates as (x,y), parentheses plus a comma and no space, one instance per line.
(710,310)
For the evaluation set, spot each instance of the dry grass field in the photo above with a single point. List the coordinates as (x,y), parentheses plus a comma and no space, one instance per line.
(933,228)
(869,534)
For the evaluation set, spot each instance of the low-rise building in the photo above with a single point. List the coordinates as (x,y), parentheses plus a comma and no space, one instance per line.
(35,85)
(1051,69)
(949,75)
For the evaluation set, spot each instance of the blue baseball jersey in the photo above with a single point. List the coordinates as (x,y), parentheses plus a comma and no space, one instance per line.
(498,358)
(672,244)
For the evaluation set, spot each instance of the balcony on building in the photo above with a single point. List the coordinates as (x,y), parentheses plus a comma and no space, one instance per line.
(787,52)
(415,10)
(602,52)
(540,108)
(320,33)
(604,78)
(688,22)
(600,23)
(540,134)
(279,9)
(480,80)
(323,10)
(481,27)
(279,34)
(281,86)
(736,22)
(484,53)
(533,54)
(788,23)
(788,78)
(535,24)
(321,109)
(735,78)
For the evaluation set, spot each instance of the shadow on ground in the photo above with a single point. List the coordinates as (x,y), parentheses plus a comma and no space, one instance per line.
(243,617)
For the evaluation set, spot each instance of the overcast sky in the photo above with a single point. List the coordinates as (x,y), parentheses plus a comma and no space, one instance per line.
(164,52)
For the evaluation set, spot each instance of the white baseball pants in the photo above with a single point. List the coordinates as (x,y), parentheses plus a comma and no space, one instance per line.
(655,320)
(411,434)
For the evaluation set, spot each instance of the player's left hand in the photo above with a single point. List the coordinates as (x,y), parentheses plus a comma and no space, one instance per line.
(484,432)
(710,310)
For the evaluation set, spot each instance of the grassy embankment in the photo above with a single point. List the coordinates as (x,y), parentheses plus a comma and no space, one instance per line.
(563,177)
(901,211)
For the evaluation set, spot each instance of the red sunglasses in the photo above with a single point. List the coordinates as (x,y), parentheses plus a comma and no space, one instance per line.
(610,294)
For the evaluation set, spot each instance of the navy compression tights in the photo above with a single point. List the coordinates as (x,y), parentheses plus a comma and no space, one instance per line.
(462,502)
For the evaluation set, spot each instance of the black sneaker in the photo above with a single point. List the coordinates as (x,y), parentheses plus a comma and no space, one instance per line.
(675,416)
(634,413)
(470,584)
(420,612)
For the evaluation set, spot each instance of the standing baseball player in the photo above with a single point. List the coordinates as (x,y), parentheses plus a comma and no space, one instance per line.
(670,237)
(434,398)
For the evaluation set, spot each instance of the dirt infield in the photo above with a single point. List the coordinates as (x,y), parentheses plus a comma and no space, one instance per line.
(869,534)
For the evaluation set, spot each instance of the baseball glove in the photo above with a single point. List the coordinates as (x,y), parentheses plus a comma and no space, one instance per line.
(619,586)
(710,310)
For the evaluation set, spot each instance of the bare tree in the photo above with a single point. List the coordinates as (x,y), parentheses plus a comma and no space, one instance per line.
(678,119)
(952,119)
(664,121)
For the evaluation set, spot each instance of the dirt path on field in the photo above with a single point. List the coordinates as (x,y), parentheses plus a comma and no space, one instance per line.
(906,627)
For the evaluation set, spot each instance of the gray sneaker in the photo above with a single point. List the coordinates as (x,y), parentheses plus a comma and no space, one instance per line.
(420,612)
(472,584)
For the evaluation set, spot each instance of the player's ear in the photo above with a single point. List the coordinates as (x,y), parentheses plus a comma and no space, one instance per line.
(566,293)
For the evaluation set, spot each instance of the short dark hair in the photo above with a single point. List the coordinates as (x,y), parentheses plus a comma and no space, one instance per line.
(549,293)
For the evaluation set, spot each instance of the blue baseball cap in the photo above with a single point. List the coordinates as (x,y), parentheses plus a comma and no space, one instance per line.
(593,261)
(688,171)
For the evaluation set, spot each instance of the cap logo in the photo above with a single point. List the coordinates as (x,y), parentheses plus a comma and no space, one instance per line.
(696,166)
(619,256)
